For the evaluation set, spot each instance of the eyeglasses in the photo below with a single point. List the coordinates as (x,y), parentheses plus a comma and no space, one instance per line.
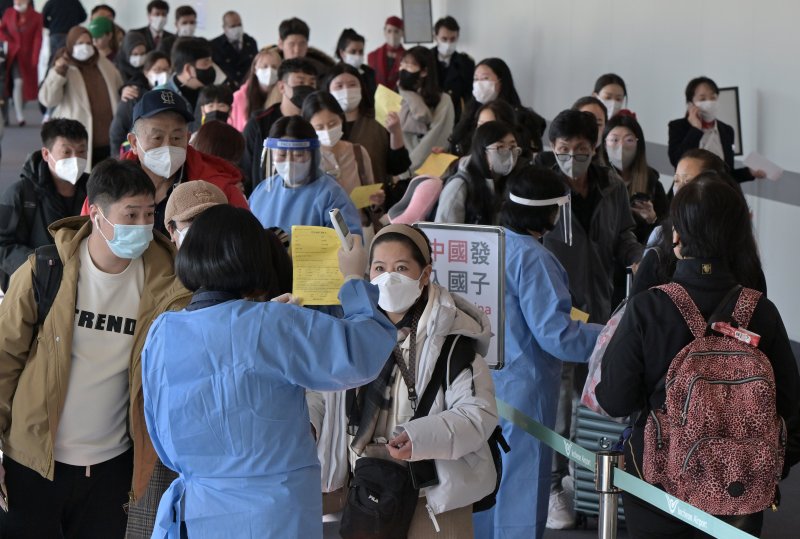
(579,157)
(516,150)
(627,141)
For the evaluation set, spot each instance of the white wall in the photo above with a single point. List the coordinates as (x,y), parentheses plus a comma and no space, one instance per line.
(557,48)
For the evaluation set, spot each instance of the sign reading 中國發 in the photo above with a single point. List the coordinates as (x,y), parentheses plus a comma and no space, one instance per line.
(469,260)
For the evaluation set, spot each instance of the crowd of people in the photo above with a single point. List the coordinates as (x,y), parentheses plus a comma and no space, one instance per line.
(158,378)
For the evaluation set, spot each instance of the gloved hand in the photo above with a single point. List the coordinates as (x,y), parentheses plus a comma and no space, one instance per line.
(353,263)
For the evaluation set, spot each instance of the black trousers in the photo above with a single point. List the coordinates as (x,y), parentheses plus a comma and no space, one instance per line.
(72,505)
(645,521)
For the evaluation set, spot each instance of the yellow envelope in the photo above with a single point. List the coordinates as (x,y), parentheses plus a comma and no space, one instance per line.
(360,195)
(578,315)
(315,262)
(386,101)
(436,164)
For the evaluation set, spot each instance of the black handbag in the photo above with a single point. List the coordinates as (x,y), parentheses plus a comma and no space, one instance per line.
(381,501)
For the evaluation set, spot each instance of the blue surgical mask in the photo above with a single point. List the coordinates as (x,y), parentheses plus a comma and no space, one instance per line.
(130,241)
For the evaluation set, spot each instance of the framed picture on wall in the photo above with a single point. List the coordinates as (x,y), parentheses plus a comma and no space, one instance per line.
(418,21)
(728,112)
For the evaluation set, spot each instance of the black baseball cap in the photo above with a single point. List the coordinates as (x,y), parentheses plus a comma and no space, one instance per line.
(157,101)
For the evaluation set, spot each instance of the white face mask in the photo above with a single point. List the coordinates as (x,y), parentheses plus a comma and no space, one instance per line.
(181,236)
(157,23)
(572,168)
(484,90)
(446,49)
(708,110)
(163,161)
(70,169)
(354,60)
(349,98)
(136,60)
(620,156)
(157,79)
(501,162)
(22,8)
(83,51)
(234,33)
(612,106)
(329,137)
(294,173)
(397,292)
(393,40)
(186,30)
(267,76)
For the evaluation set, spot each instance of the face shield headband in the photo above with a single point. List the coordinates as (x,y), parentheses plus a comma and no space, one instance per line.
(562,201)
(270,164)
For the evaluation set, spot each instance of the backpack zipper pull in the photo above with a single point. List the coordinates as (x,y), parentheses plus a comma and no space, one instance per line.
(433,518)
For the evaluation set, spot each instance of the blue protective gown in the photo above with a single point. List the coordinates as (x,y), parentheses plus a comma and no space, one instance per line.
(225,407)
(276,205)
(539,334)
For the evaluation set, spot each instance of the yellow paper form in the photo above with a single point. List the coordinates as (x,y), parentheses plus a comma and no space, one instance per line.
(315,262)
(360,195)
(386,101)
(436,164)
(578,315)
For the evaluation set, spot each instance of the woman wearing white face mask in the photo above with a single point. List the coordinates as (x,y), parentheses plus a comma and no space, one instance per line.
(624,148)
(385,145)
(611,91)
(350,51)
(131,57)
(473,194)
(256,91)
(84,85)
(700,128)
(296,191)
(426,316)
(153,72)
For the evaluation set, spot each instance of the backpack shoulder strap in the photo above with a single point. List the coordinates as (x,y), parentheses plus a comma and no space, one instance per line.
(30,204)
(362,174)
(437,377)
(688,309)
(745,306)
(46,279)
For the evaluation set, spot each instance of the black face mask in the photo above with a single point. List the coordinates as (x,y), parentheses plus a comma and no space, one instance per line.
(299,94)
(217,115)
(408,80)
(207,76)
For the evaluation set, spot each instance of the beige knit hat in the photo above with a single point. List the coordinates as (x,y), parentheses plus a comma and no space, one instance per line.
(190,199)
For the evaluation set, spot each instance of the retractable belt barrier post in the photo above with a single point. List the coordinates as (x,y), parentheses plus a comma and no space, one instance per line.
(608,475)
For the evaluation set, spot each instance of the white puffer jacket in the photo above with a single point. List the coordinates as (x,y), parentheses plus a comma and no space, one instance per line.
(455,431)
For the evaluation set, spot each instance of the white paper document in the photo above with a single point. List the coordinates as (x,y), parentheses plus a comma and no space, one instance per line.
(756,161)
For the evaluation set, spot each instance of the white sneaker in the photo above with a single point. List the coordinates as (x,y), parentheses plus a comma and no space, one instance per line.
(561,511)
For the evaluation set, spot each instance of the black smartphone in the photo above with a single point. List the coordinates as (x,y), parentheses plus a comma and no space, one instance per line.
(423,473)
(640,197)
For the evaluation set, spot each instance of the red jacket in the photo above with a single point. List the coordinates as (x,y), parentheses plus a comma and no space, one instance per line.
(377,60)
(202,166)
(23,33)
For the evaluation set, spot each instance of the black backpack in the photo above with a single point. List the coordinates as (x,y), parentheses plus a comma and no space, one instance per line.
(46,280)
(459,353)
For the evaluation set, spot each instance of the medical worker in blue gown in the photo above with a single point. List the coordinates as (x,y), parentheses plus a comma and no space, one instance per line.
(539,335)
(224,385)
(296,191)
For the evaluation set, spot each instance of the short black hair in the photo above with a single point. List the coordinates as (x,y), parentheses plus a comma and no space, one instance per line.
(157,4)
(108,8)
(571,124)
(296,65)
(215,93)
(321,100)
(609,78)
(347,36)
(416,254)
(691,88)
(72,130)
(590,100)
(226,250)
(448,23)
(533,183)
(293,26)
(188,50)
(114,179)
(184,11)
(153,57)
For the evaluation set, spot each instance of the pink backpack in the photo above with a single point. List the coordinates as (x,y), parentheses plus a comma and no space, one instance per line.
(718,442)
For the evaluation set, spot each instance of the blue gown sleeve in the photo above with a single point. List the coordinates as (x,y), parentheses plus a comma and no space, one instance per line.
(151,376)
(324,353)
(546,303)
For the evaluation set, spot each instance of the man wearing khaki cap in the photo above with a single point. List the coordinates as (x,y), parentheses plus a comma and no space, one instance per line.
(187,201)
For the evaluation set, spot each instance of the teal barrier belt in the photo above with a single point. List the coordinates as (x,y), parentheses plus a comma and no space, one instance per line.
(627,482)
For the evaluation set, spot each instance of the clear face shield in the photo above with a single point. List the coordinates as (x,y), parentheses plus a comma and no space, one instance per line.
(564,204)
(295,162)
